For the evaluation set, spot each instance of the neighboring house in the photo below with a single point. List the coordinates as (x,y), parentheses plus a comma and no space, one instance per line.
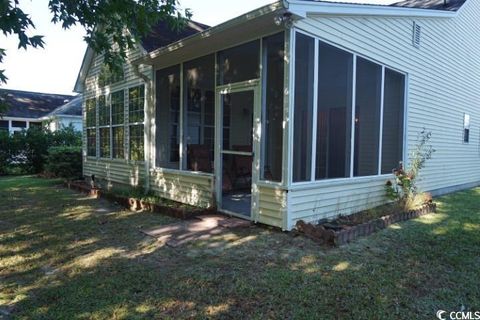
(69,114)
(28,109)
(297,110)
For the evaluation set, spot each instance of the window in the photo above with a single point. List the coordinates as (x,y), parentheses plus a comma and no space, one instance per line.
(19,124)
(199,112)
(393,123)
(367,118)
(91,126)
(104,142)
(91,120)
(137,143)
(92,142)
(36,125)
(104,127)
(352,122)
(334,112)
(108,76)
(118,142)
(136,103)
(466,128)
(103,112)
(4,125)
(240,63)
(118,119)
(274,53)
(303,109)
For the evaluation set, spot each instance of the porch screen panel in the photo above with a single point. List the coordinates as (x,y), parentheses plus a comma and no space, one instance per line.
(274,47)
(239,63)
(167,118)
(199,112)
(393,120)
(367,118)
(303,109)
(334,113)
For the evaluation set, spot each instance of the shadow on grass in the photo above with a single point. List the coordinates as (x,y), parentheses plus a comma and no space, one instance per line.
(63,256)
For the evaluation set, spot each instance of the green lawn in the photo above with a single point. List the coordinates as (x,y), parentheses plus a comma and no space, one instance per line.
(65,256)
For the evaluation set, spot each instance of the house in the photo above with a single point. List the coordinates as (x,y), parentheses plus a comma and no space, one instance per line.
(296,111)
(69,114)
(27,109)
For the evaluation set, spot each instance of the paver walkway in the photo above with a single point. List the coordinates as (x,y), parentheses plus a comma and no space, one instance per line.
(200,228)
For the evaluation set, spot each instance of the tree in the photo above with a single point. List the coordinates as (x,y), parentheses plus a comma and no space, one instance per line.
(102,19)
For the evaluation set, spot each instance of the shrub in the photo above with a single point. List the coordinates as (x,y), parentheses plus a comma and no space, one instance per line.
(65,162)
(28,150)
(5,151)
(404,189)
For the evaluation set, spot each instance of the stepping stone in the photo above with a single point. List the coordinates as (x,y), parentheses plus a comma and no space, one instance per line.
(201,228)
(234,223)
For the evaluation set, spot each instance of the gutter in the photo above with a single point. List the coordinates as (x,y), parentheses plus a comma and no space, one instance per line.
(148,102)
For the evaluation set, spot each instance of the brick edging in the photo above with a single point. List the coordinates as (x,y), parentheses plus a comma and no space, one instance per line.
(338,238)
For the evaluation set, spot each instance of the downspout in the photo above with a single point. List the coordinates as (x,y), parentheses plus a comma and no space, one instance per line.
(148,107)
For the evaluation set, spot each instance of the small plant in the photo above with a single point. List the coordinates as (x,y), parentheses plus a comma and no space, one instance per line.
(404,189)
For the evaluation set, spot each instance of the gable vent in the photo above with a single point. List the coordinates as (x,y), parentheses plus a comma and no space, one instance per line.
(417,35)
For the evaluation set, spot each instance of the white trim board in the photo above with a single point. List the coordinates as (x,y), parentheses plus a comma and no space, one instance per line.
(305,8)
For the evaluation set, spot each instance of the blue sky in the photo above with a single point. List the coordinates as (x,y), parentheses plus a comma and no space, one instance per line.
(55,68)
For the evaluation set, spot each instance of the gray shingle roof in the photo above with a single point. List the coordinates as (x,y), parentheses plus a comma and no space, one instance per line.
(448,5)
(24,104)
(162,34)
(72,108)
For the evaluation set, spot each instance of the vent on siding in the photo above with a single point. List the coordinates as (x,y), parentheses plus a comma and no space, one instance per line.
(417,35)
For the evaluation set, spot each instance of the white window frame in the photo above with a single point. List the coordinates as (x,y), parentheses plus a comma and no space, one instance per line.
(356,55)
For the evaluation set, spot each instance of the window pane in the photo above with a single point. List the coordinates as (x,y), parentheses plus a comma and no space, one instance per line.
(239,63)
(4,125)
(91,143)
(167,118)
(103,112)
(199,113)
(393,113)
(136,104)
(334,112)
(303,109)
(274,47)
(104,142)
(19,124)
(118,142)
(118,107)
(367,118)
(137,143)
(90,113)
(37,125)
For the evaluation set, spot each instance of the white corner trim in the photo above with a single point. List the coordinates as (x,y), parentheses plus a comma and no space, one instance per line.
(305,8)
